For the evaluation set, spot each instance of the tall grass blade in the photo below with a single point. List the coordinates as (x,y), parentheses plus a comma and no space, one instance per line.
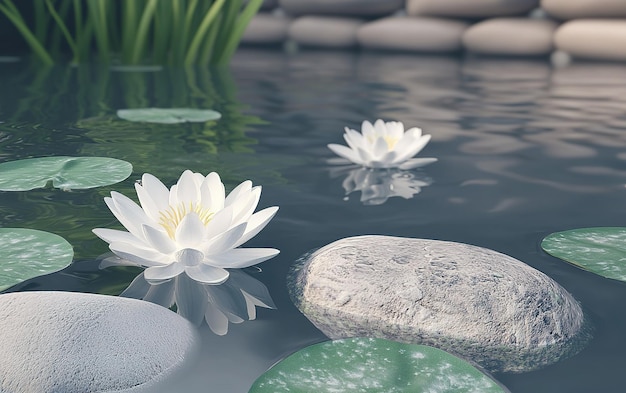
(244,18)
(61,25)
(142,31)
(13,14)
(192,52)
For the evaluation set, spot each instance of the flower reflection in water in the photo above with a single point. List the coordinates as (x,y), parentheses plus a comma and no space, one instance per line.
(233,301)
(378,185)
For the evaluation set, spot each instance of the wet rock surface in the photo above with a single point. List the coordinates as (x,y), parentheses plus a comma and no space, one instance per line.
(474,302)
(68,342)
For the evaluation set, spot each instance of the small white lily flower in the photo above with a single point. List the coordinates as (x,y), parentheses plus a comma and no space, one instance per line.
(384,145)
(192,228)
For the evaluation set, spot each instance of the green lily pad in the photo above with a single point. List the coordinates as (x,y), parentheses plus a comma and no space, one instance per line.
(600,250)
(66,173)
(27,253)
(373,365)
(168,115)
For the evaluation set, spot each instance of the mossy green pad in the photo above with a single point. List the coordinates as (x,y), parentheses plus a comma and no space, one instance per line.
(373,365)
(66,173)
(600,250)
(28,253)
(168,115)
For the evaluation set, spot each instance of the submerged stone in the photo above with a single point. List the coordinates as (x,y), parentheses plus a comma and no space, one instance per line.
(473,302)
(76,343)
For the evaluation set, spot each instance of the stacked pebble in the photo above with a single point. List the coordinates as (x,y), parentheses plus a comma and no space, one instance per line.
(494,27)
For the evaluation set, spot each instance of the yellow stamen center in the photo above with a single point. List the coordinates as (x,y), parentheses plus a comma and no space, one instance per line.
(391,142)
(170,219)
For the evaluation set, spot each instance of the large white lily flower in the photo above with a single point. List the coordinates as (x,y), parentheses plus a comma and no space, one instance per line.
(192,228)
(384,145)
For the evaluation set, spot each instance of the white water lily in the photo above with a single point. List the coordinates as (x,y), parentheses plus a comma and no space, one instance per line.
(192,228)
(384,145)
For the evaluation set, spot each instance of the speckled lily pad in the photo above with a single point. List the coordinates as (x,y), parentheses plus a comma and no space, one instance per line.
(600,250)
(373,365)
(66,173)
(28,253)
(168,115)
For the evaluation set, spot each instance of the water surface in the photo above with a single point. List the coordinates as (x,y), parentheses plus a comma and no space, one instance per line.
(524,150)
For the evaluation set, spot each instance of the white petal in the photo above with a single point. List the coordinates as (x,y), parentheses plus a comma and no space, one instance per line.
(345,152)
(225,241)
(256,223)
(395,129)
(387,161)
(244,208)
(207,274)
(161,293)
(113,235)
(220,223)
(187,191)
(190,231)
(366,158)
(153,195)
(191,299)
(159,240)
(216,320)
(368,131)
(354,139)
(407,147)
(380,127)
(216,190)
(128,213)
(380,148)
(138,254)
(156,274)
(243,257)
(242,189)
(137,289)
(416,163)
(414,132)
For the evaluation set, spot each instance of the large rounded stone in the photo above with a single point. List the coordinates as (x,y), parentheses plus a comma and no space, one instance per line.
(471,301)
(325,31)
(75,343)
(342,7)
(601,39)
(412,34)
(267,29)
(469,9)
(511,36)
(571,9)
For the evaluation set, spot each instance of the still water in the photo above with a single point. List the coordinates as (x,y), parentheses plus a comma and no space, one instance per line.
(524,150)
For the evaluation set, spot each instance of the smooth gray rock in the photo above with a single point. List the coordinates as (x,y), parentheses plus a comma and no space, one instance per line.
(267,29)
(470,9)
(325,31)
(571,9)
(68,342)
(434,35)
(471,301)
(511,36)
(600,39)
(341,7)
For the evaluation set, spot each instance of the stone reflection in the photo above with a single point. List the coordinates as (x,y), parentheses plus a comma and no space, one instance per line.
(234,301)
(378,185)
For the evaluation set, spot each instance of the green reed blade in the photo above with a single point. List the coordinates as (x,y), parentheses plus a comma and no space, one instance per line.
(142,31)
(208,48)
(61,25)
(192,52)
(97,13)
(13,14)
(230,13)
(244,18)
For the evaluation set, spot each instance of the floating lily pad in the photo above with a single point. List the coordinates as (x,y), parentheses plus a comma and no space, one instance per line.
(373,365)
(27,253)
(137,68)
(599,250)
(66,173)
(168,115)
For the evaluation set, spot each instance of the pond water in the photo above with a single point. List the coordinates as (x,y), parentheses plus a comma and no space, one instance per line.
(524,150)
